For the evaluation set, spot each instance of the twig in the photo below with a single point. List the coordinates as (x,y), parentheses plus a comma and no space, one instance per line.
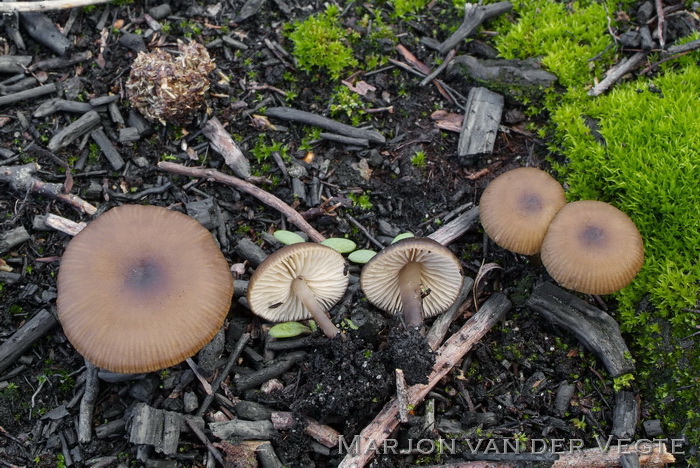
(47,5)
(660,22)
(448,355)
(439,69)
(308,118)
(87,404)
(201,436)
(474,16)
(617,72)
(265,197)
(401,395)
(364,231)
(223,144)
(455,228)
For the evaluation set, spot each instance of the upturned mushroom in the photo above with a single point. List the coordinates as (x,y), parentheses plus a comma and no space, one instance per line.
(298,282)
(592,247)
(142,288)
(517,207)
(416,276)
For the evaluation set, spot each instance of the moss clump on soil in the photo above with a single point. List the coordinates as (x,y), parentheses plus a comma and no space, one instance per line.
(637,147)
(320,43)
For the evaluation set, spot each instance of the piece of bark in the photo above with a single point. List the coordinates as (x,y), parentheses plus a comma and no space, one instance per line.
(482,117)
(616,73)
(252,411)
(85,124)
(401,395)
(155,427)
(25,336)
(14,63)
(54,105)
(455,228)
(650,455)
(448,355)
(597,330)
(447,120)
(108,149)
(21,179)
(87,403)
(323,434)
(474,16)
(625,415)
(44,31)
(243,430)
(12,238)
(272,370)
(524,74)
(563,397)
(315,120)
(223,144)
(249,8)
(28,94)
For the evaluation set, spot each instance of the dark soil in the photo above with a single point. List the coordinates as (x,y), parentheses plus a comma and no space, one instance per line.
(506,386)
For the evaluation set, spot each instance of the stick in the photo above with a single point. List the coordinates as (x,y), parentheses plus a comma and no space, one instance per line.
(455,228)
(25,336)
(321,433)
(473,17)
(201,436)
(315,120)
(617,72)
(660,22)
(47,5)
(87,404)
(265,197)
(223,144)
(448,356)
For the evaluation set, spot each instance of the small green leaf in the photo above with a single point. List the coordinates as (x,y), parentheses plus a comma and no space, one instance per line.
(288,237)
(403,235)
(361,256)
(288,330)
(340,245)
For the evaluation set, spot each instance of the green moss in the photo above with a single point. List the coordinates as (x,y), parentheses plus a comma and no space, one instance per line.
(406,8)
(321,44)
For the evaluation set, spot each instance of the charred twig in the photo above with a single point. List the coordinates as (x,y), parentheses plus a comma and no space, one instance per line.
(440,326)
(401,395)
(47,5)
(201,436)
(24,337)
(64,225)
(223,144)
(29,93)
(455,228)
(87,404)
(20,178)
(474,16)
(617,72)
(434,74)
(324,435)
(660,22)
(364,231)
(447,356)
(265,197)
(315,120)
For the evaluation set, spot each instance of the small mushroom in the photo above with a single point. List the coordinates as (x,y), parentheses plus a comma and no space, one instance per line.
(592,247)
(298,282)
(142,288)
(517,207)
(416,276)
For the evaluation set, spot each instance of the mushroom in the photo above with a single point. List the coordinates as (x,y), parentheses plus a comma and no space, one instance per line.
(298,282)
(142,288)
(416,276)
(592,247)
(517,207)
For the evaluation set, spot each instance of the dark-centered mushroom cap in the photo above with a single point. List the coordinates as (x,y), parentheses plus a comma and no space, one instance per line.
(270,290)
(441,275)
(593,248)
(142,288)
(517,207)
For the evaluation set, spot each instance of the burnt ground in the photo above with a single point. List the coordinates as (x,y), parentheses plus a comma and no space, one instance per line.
(505,388)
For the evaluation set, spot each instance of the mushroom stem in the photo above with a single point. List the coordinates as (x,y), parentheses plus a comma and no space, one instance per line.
(303,292)
(410,287)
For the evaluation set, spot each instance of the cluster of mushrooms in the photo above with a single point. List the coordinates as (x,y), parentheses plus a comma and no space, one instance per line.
(587,246)
(125,281)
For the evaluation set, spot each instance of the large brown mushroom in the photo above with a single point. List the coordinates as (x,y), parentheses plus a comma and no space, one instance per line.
(416,276)
(299,281)
(592,247)
(517,207)
(142,288)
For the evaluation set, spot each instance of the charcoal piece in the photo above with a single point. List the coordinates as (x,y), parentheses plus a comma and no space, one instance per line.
(250,251)
(14,63)
(244,430)
(482,117)
(652,428)
(12,238)
(564,394)
(625,415)
(85,124)
(140,123)
(44,31)
(129,134)
(630,39)
(110,152)
(133,42)
(252,411)
(54,105)
(23,338)
(161,11)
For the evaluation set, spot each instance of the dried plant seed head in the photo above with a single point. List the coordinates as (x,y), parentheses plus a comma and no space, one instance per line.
(517,207)
(592,247)
(170,88)
(142,288)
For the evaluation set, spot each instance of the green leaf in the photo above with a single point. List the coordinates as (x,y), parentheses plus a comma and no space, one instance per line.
(340,245)
(361,256)
(403,235)
(288,330)
(288,237)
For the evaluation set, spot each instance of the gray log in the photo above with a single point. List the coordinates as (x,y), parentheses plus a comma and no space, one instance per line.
(245,430)
(14,63)
(346,140)
(110,152)
(503,73)
(85,124)
(155,427)
(25,337)
(308,118)
(482,118)
(28,94)
(52,106)
(625,415)
(252,411)
(223,144)
(250,251)
(12,238)
(272,370)
(597,330)
(44,31)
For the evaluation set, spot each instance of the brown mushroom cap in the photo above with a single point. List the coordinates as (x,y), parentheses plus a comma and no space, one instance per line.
(271,293)
(142,288)
(517,207)
(593,248)
(440,275)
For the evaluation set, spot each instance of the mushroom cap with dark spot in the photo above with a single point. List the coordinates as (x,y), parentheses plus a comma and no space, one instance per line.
(270,292)
(142,288)
(517,207)
(592,247)
(441,275)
